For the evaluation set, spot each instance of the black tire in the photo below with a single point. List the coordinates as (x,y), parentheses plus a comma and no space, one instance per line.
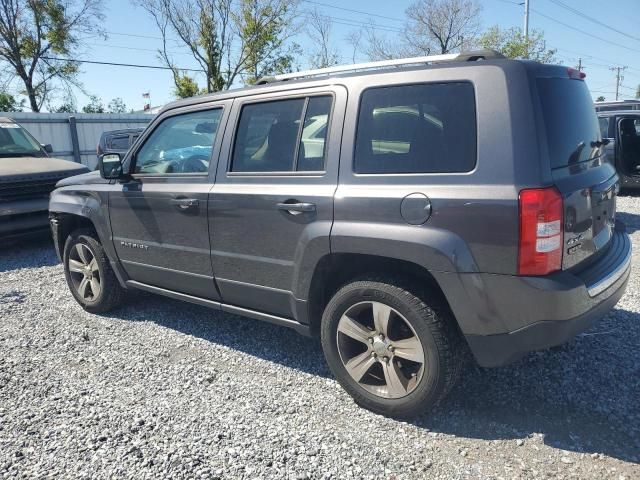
(111,294)
(431,322)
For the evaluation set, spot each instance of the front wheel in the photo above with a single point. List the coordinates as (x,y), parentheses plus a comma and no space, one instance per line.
(89,274)
(391,351)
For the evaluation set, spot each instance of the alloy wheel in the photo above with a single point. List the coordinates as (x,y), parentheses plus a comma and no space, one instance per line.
(380,350)
(84,272)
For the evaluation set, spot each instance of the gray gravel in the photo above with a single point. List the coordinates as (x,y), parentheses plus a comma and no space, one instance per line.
(166,389)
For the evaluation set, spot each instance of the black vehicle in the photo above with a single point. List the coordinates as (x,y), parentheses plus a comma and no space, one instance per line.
(117,141)
(405,211)
(621,129)
(27,177)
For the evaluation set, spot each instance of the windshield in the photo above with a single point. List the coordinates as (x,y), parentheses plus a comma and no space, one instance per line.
(570,119)
(15,141)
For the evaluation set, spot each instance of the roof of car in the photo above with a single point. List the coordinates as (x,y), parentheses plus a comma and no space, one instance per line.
(612,113)
(122,131)
(271,85)
(617,102)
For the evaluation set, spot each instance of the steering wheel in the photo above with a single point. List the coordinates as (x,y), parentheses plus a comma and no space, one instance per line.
(192,164)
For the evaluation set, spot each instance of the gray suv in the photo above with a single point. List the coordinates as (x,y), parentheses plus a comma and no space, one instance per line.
(27,176)
(407,212)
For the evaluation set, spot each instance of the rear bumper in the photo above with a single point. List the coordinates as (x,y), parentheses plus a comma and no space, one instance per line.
(542,312)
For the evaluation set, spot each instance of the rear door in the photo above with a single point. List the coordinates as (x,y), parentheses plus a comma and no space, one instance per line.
(586,180)
(271,209)
(628,144)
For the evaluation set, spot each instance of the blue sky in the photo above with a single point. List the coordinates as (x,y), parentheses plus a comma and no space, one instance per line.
(133,38)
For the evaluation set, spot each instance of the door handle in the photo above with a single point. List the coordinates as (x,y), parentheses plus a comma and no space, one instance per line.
(185,203)
(297,208)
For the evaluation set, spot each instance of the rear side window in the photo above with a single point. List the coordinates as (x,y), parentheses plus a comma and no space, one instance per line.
(428,128)
(120,142)
(570,120)
(282,136)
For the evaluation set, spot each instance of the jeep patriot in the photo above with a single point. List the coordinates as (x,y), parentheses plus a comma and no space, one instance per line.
(407,212)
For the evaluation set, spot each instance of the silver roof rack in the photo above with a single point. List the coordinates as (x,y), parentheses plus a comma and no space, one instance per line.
(398,62)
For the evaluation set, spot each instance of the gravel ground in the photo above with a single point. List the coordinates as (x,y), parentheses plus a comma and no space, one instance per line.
(167,389)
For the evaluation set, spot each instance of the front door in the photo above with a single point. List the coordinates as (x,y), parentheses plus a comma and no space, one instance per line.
(628,145)
(159,217)
(271,208)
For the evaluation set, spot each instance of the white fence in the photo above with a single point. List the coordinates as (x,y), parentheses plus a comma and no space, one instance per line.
(75,136)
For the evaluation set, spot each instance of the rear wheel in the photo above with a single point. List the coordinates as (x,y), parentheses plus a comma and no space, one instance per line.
(394,353)
(89,274)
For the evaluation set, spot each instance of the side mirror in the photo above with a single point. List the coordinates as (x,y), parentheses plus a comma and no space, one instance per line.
(47,148)
(110,166)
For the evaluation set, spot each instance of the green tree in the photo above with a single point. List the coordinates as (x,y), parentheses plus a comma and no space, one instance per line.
(229,39)
(94,106)
(185,86)
(600,99)
(512,43)
(638,92)
(33,33)
(116,105)
(8,103)
(264,28)
(66,107)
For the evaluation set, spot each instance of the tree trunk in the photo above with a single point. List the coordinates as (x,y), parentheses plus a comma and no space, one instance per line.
(28,87)
(31,93)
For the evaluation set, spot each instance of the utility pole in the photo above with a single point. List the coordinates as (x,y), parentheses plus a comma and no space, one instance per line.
(526,27)
(579,64)
(619,77)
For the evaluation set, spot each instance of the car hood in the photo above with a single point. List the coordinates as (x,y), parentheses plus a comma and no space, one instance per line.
(17,169)
(90,178)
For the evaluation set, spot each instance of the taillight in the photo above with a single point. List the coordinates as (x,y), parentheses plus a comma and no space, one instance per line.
(540,249)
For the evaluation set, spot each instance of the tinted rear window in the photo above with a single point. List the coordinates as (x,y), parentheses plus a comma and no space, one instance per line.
(427,128)
(119,142)
(570,120)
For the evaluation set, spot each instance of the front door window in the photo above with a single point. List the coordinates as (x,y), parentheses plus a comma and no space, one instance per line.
(180,144)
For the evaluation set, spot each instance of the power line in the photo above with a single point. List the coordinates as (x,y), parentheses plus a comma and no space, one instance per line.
(358,23)
(353,11)
(583,32)
(580,31)
(588,56)
(133,35)
(157,67)
(619,77)
(108,45)
(591,19)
